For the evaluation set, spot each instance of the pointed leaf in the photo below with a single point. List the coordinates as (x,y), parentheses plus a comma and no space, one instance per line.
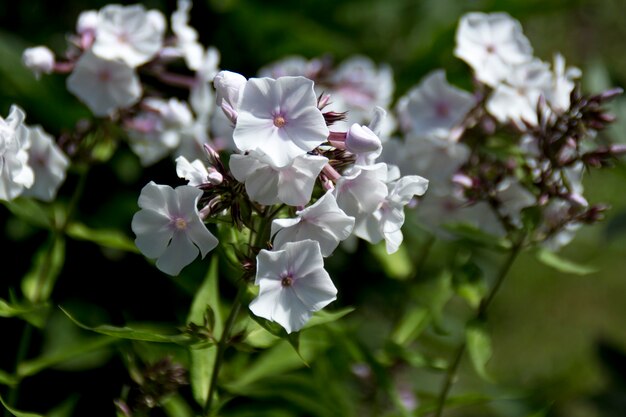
(113,239)
(8,379)
(141,334)
(30,211)
(414,321)
(553,260)
(479,347)
(17,413)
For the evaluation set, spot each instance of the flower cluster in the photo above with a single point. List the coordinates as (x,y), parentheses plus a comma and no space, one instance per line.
(287,162)
(519,142)
(31,163)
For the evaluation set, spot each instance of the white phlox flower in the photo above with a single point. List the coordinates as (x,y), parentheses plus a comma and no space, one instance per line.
(361,189)
(386,222)
(433,106)
(228,88)
(491,44)
(169,228)
(267,184)
(40,60)
(513,197)
(15,173)
(562,84)
(516,99)
(129,33)
(196,173)
(201,96)
(157,131)
(292,284)
(280,118)
(186,36)
(104,86)
(322,221)
(87,22)
(48,162)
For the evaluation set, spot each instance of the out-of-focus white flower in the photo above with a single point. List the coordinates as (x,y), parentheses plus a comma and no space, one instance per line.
(433,106)
(280,118)
(513,197)
(186,36)
(157,131)
(292,66)
(228,88)
(267,184)
(322,221)
(562,84)
(129,33)
(15,173)
(201,96)
(386,222)
(196,173)
(169,228)
(516,99)
(48,162)
(87,22)
(104,86)
(491,44)
(292,284)
(40,60)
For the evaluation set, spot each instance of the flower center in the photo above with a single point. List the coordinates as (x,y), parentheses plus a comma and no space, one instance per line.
(491,49)
(279,121)
(104,75)
(287,281)
(180,223)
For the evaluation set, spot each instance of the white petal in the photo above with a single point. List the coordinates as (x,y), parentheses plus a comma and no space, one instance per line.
(180,253)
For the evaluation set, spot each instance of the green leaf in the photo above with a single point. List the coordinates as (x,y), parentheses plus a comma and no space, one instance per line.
(8,379)
(474,235)
(36,365)
(175,406)
(33,313)
(479,347)
(66,408)
(414,321)
(397,265)
(38,283)
(113,239)
(553,260)
(30,211)
(144,335)
(323,317)
(203,360)
(17,413)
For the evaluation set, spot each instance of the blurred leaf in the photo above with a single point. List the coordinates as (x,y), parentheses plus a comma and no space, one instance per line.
(35,314)
(414,321)
(175,406)
(280,359)
(553,260)
(434,294)
(38,283)
(17,413)
(474,235)
(34,366)
(108,238)
(30,211)
(65,409)
(451,402)
(202,360)
(398,265)
(8,379)
(479,347)
(470,284)
(141,334)
(323,317)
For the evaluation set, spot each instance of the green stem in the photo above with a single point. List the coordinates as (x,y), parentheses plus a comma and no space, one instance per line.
(22,352)
(480,313)
(222,344)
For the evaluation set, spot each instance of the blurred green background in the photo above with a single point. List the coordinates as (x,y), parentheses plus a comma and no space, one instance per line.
(559,340)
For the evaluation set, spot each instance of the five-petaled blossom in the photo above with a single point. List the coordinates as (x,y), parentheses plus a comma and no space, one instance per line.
(169,227)
(292,284)
(280,118)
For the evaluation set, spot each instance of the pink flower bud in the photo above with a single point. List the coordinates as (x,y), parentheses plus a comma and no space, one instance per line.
(228,86)
(360,139)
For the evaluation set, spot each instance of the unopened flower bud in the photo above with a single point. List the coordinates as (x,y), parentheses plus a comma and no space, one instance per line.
(463,180)
(214,177)
(40,60)
(228,86)
(87,22)
(360,139)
